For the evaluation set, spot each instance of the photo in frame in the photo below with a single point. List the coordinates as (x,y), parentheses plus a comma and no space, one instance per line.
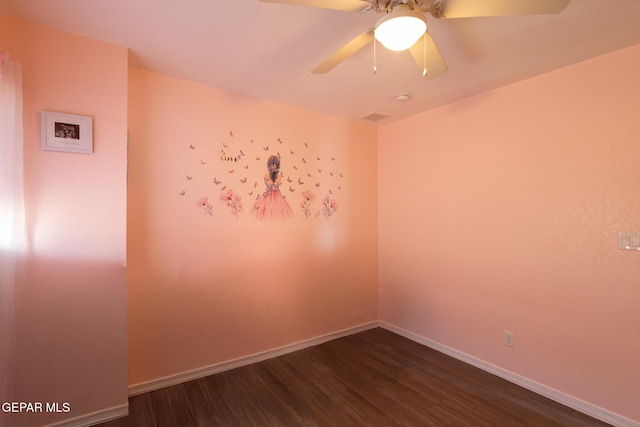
(66,132)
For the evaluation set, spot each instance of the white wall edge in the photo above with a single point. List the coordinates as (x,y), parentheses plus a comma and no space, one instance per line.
(183,377)
(565,399)
(94,418)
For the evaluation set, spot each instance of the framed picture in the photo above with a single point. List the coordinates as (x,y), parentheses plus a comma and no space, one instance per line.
(66,132)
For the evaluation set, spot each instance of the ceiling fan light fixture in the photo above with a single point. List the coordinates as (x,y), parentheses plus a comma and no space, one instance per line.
(400,29)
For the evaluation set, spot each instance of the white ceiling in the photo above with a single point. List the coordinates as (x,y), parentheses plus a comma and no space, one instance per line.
(267,50)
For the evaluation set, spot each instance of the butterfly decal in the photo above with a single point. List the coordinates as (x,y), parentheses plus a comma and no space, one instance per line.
(182,193)
(300,181)
(250,193)
(306,145)
(289,179)
(255,184)
(309,174)
(189,178)
(303,160)
(330,192)
(257,158)
(241,153)
(317,184)
(193,147)
(244,181)
(225,145)
(266,148)
(246,167)
(292,189)
(216,182)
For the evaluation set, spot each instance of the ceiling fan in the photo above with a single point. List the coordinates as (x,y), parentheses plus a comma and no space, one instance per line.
(404,25)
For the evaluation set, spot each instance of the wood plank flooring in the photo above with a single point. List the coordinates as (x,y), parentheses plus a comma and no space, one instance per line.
(374,378)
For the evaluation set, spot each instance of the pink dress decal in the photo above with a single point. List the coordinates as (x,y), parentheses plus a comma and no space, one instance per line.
(271,205)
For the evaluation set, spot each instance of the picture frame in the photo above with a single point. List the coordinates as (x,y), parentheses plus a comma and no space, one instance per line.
(66,132)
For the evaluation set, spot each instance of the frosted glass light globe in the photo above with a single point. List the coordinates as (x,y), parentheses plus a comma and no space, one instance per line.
(400,29)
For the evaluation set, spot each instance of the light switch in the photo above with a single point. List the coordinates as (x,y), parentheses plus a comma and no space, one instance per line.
(629,241)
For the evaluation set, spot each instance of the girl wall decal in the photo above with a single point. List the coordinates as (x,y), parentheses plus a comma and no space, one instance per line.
(271,205)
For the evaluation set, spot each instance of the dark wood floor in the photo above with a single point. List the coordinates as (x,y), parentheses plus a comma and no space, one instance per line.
(375,378)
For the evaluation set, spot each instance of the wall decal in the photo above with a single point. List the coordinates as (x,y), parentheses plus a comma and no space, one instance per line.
(271,205)
(307,198)
(329,207)
(229,158)
(233,202)
(311,168)
(203,203)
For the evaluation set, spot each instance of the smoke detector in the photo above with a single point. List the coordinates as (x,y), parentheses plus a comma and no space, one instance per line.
(402,97)
(374,116)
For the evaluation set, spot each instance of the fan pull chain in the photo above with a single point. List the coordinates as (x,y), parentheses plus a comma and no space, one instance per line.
(375,69)
(424,70)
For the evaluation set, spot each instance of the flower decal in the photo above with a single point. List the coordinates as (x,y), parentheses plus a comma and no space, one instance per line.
(305,205)
(329,207)
(203,203)
(233,202)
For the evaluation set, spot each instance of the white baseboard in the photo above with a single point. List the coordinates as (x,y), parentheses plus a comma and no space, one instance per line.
(243,361)
(565,399)
(95,417)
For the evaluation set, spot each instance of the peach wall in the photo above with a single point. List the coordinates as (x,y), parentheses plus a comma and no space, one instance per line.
(505,216)
(204,289)
(70,312)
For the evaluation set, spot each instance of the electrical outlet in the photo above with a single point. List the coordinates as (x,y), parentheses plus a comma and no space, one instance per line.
(629,241)
(508,339)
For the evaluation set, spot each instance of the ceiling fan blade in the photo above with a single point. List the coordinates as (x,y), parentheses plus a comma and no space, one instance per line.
(344,52)
(434,63)
(347,5)
(475,8)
